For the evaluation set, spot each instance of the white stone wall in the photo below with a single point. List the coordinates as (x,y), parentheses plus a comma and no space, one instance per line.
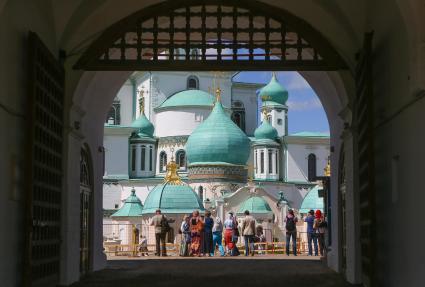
(179,122)
(139,168)
(297,160)
(247,95)
(116,155)
(262,157)
(125,96)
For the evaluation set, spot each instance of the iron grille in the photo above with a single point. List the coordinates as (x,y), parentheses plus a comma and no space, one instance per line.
(208,35)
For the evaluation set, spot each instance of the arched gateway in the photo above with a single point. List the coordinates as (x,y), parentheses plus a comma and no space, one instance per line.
(230,35)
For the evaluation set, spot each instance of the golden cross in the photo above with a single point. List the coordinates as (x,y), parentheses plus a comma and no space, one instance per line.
(141,100)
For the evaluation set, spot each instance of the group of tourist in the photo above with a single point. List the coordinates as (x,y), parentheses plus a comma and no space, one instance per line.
(202,235)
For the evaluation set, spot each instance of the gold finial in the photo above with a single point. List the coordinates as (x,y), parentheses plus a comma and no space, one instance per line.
(218,95)
(172,177)
(327,169)
(141,100)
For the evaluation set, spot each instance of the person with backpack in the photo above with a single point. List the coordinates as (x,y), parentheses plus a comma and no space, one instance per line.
(291,231)
(320,226)
(160,222)
(311,233)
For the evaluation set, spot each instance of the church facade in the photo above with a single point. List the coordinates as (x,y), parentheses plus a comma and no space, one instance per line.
(229,143)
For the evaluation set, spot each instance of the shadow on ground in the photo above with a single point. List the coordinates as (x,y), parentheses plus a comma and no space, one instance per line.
(217,273)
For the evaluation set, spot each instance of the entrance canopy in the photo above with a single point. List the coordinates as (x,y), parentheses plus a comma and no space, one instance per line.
(211,35)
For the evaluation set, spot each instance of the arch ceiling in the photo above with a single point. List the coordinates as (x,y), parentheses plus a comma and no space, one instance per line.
(230,34)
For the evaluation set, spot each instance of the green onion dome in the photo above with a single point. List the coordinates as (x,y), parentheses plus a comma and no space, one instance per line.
(255,205)
(188,98)
(173,196)
(143,126)
(265,131)
(132,207)
(274,92)
(218,140)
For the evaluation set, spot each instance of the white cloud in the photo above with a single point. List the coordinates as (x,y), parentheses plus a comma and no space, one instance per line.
(308,105)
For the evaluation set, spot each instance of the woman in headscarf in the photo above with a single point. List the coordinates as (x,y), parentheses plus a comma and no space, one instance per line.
(196,227)
(229,225)
(320,228)
(185,231)
(217,232)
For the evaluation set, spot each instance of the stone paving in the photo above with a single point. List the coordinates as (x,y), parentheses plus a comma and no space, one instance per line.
(274,270)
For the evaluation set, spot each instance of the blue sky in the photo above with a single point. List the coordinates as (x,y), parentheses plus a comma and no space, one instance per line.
(305,113)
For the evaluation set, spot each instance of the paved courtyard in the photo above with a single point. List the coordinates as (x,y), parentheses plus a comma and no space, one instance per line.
(229,271)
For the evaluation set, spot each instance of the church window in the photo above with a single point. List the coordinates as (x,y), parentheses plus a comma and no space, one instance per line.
(311,167)
(143,158)
(262,162)
(270,161)
(279,122)
(238,114)
(133,158)
(181,159)
(277,162)
(113,117)
(192,83)
(162,161)
(150,157)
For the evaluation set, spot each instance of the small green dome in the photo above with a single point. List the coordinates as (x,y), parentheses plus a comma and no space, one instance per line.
(274,92)
(218,140)
(144,126)
(172,198)
(132,207)
(255,205)
(312,201)
(189,98)
(265,131)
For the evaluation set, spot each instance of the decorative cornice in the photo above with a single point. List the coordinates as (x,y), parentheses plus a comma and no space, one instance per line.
(172,141)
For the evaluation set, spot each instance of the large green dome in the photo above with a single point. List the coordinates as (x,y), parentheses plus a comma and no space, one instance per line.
(218,140)
(265,131)
(172,198)
(255,205)
(144,126)
(274,92)
(190,98)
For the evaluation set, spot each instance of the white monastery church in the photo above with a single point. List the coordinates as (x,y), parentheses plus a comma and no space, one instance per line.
(228,141)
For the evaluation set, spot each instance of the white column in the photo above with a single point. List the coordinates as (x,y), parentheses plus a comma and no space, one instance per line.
(274,161)
(257,174)
(219,203)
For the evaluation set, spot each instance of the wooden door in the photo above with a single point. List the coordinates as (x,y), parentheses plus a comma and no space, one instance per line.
(44,170)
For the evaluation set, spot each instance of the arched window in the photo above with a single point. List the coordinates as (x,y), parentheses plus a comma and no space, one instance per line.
(192,83)
(150,157)
(311,167)
(181,159)
(113,117)
(238,114)
(133,158)
(162,161)
(143,158)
